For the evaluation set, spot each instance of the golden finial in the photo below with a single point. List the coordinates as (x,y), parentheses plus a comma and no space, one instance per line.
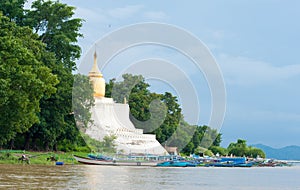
(95,55)
(97,79)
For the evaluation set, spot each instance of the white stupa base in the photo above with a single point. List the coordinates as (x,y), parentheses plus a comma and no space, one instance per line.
(113,119)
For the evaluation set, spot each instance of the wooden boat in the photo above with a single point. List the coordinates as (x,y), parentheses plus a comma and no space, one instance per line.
(90,161)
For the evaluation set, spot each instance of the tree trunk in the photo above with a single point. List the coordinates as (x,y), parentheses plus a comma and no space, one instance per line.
(12,142)
(47,146)
(55,147)
(34,146)
(27,140)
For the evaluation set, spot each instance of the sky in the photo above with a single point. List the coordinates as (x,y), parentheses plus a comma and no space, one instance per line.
(255,44)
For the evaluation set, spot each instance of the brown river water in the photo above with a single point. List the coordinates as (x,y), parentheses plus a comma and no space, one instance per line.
(137,178)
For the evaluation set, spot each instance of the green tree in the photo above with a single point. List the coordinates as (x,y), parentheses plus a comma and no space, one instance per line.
(172,118)
(240,148)
(203,151)
(54,24)
(155,113)
(255,152)
(59,31)
(160,114)
(189,148)
(13,9)
(202,136)
(135,90)
(109,144)
(182,138)
(218,150)
(24,78)
(218,138)
(208,153)
(53,21)
(109,87)
(83,100)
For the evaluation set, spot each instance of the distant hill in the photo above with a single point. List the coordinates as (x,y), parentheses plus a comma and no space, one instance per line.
(285,153)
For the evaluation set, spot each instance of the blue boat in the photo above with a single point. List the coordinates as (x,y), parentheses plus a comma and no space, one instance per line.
(100,157)
(176,163)
(230,162)
(235,160)
(222,164)
(249,164)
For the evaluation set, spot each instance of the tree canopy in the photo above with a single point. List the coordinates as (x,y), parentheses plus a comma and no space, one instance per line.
(46,35)
(240,148)
(25,78)
(13,10)
(57,28)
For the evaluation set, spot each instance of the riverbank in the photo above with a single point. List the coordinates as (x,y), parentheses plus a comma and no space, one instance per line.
(40,158)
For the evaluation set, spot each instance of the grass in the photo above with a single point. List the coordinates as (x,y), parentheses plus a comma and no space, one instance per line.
(12,157)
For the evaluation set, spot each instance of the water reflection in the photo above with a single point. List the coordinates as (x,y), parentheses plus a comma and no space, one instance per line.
(135,178)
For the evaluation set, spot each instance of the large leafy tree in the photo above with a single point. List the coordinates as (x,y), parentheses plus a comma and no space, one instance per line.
(54,25)
(24,78)
(57,28)
(172,119)
(135,91)
(155,113)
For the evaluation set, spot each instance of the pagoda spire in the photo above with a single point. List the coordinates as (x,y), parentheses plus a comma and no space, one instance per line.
(95,72)
(97,79)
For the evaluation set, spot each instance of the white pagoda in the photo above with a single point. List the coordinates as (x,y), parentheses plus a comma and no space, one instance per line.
(112,118)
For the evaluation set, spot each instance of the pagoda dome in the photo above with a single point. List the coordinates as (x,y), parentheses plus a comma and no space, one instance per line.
(97,79)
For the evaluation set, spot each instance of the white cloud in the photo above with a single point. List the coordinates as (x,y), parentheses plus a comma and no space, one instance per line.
(124,12)
(246,71)
(156,15)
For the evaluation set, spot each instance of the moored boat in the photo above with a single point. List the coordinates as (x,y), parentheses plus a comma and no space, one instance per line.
(113,162)
(176,163)
(230,162)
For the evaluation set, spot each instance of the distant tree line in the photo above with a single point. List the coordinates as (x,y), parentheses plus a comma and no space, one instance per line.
(160,114)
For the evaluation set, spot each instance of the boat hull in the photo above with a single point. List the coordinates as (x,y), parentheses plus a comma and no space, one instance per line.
(90,161)
(229,165)
(176,164)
